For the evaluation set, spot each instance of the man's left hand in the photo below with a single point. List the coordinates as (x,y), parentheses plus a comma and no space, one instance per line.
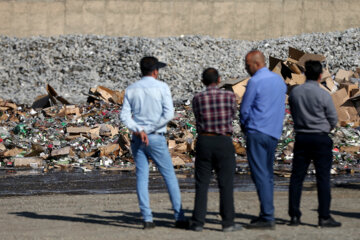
(143,136)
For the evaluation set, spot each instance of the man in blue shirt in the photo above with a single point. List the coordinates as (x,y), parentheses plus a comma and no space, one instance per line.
(146,110)
(262,113)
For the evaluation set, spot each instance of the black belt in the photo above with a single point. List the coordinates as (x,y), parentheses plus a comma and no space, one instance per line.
(214,134)
(157,133)
(312,133)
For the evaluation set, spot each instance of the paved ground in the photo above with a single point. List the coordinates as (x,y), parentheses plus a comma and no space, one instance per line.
(116,216)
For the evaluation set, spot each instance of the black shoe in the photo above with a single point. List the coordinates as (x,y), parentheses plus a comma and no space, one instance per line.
(196,228)
(329,222)
(148,225)
(233,228)
(295,221)
(183,224)
(255,220)
(260,223)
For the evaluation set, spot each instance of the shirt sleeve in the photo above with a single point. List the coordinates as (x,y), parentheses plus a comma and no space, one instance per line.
(195,108)
(126,116)
(330,112)
(234,107)
(167,112)
(247,102)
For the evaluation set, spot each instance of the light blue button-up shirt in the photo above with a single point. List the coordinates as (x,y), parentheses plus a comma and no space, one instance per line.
(147,106)
(263,105)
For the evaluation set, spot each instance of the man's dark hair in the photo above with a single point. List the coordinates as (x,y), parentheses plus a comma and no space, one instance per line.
(313,69)
(148,64)
(209,76)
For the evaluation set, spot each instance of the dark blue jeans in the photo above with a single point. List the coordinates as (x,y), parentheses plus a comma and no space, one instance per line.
(261,154)
(316,147)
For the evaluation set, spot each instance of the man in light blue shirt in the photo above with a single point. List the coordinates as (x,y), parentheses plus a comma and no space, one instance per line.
(146,110)
(262,113)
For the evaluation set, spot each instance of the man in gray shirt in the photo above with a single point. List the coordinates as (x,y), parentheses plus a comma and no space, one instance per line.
(314,117)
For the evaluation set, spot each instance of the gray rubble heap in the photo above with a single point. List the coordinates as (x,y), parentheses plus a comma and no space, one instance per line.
(74,63)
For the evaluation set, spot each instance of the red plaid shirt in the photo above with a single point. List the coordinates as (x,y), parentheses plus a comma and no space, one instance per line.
(214,110)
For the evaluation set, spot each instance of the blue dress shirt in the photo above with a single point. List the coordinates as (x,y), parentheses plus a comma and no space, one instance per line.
(263,105)
(147,106)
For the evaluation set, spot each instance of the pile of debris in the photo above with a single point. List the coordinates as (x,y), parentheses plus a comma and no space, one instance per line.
(72,63)
(55,134)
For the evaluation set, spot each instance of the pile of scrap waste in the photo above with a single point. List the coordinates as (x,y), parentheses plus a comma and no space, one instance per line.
(54,134)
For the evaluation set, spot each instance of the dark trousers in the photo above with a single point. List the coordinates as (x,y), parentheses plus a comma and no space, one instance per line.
(261,154)
(316,147)
(214,152)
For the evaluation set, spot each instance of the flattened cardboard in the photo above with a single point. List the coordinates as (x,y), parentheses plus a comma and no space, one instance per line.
(330,85)
(27,161)
(78,129)
(354,92)
(340,97)
(349,87)
(343,75)
(350,149)
(54,97)
(2,147)
(310,56)
(277,69)
(13,152)
(171,144)
(293,67)
(273,61)
(110,149)
(42,101)
(108,95)
(60,152)
(239,149)
(344,106)
(177,161)
(295,53)
(325,75)
(298,79)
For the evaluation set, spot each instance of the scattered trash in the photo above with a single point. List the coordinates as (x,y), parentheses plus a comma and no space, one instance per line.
(54,135)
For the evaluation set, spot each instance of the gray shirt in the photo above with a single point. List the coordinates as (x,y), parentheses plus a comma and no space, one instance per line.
(312,108)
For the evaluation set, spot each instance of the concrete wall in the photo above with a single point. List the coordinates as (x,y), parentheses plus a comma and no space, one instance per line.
(236,19)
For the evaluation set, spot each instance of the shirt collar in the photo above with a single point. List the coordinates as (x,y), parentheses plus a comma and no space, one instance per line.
(211,87)
(312,82)
(260,70)
(147,78)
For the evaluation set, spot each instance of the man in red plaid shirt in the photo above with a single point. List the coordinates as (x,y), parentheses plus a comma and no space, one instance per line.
(214,110)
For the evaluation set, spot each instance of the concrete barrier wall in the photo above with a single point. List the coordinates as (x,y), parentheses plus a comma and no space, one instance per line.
(236,19)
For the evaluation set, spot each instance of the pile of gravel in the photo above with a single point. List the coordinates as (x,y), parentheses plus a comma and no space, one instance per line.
(72,64)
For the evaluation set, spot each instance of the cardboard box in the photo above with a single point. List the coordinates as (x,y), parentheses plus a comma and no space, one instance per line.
(343,75)
(106,95)
(344,106)
(54,97)
(238,86)
(330,85)
(110,149)
(273,62)
(356,101)
(299,57)
(349,87)
(298,79)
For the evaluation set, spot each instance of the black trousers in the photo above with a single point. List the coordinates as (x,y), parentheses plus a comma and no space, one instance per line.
(214,152)
(316,147)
